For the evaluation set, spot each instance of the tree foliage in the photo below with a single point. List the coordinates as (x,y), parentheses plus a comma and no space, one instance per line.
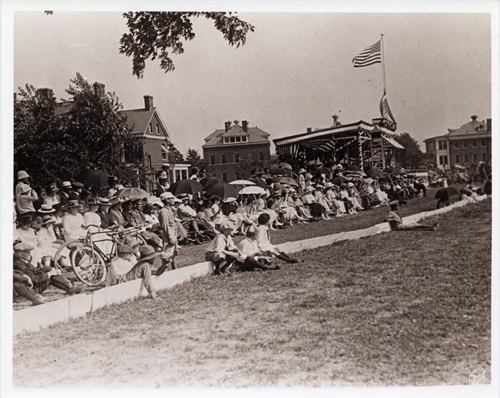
(195,160)
(153,35)
(247,165)
(410,157)
(175,155)
(90,133)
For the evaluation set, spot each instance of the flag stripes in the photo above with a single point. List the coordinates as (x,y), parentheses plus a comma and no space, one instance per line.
(369,56)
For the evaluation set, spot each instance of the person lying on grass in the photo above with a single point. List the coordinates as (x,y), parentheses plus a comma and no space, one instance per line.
(252,256)
(122,270)
(265,246)
(222,251)
(396,223)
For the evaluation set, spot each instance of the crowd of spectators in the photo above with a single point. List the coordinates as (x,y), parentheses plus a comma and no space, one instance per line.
(46,218)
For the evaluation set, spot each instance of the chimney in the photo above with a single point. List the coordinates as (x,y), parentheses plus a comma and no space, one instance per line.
(46,93)
(335,120)
(100,89)
(227,126)
(473,117)
(309,130)
(488,125)
(148,102)
(245,126)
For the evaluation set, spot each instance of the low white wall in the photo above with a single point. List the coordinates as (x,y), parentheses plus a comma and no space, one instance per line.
(34,318)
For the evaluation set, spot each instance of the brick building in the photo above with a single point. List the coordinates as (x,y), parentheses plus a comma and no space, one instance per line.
(470,143)
(224,148)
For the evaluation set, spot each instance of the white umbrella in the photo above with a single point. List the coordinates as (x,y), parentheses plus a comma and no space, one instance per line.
(242,182)
(252,191)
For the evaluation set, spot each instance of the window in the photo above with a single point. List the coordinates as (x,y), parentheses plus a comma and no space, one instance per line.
(224,177)
(238,139)
(150,128)
(445,145)
(222,158)
(244,139)
(441,159)
(457,158)
(178,175)
(474,143)
(466,143)
(466,158)
(157,129)
(474,156)
(225,140)
(233,139)
(164,154)
(236,157)
(211,159)
(457,142)
(440,144)
(483,157)
(261,156)
(445,159)
(483,141)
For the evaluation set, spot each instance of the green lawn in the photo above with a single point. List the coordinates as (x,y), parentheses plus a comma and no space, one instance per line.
(399,308)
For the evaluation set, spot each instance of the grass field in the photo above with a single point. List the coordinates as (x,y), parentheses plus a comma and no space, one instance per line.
(399,308)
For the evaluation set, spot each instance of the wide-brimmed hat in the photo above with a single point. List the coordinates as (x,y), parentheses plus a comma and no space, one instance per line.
(394,203)
(183,196)
(225,225)
(350,185)
(148,252)
(104,202)
(301,171)
(167,195)
(318,186)
(368,180)
(132,241)
(77,184)
(263,218)
(329,185)
(66,184)
(51,188)
(115,201)
(124,249)
(177,200)
(154,200)
(46,209)
(397,187)
(163,176)
(72,203)
(23,247)
(21,175)
(48,220)
(24,188)
(308,189)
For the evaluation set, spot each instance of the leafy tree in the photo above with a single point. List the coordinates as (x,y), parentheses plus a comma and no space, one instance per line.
(247,165)
(152,35)
(195,160)
(410,157)
(174,154)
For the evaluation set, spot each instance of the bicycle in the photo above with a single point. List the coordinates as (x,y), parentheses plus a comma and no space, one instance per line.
(88,261)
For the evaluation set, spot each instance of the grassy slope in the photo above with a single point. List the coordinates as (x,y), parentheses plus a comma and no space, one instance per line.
(402,308)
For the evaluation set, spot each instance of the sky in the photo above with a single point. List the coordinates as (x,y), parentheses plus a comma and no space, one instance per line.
(295,71)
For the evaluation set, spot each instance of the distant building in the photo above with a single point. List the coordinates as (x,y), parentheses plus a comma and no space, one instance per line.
(224,148)
(470,143)
(147,126)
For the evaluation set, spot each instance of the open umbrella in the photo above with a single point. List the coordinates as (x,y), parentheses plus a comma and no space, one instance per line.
(376,173)
(339,180)
(132,193)
(444,194)
(288,181)
(208,181)
(252,190)
(315,162)
(242,182)
(323,170)
(94,178)
(223,190)
(285,166)
(190,187)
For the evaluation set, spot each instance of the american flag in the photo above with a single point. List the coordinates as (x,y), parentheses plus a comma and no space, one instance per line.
(369,56)
(328,146)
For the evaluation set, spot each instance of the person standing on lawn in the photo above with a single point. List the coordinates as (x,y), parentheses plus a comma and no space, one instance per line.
(265,246)
(396,223)
(166,218)
(121,268)
(222,247)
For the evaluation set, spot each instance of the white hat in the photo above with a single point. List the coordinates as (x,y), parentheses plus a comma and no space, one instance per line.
(167,195)
(66,184)
(21,175)
(350,185)
(329,185)
(397,187)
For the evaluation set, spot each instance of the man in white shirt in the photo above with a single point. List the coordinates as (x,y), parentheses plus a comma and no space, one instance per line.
(222,247)
(250,253)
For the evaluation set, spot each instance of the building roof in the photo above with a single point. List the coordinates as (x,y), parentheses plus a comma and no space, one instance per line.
(472,128)
(254,135)
(138,119)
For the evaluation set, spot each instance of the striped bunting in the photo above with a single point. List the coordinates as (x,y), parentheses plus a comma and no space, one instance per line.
(369,56)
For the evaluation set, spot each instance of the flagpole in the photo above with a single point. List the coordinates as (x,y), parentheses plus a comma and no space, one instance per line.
(383,59)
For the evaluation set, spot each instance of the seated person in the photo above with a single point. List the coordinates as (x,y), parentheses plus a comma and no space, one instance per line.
(222,247)
(73,222)
(396,223)
(121,268)
(265,246)
(23,287)
(42,277)
(138,219)
(251,255)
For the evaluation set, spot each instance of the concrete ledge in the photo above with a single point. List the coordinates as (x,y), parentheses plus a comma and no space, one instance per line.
(34,318)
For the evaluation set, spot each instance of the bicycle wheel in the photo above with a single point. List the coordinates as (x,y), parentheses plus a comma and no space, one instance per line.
(64,248)
(88,266)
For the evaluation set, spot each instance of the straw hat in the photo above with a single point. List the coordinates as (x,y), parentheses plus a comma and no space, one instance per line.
(21,175)
(148,252)
(46,209)
(48,220)
(23,247)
